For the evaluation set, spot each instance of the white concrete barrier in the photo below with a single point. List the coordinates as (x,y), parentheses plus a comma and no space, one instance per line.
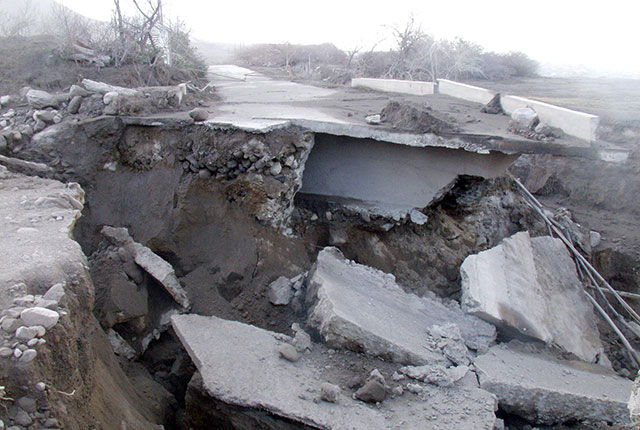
(465,92)
(417,88)
(578,124)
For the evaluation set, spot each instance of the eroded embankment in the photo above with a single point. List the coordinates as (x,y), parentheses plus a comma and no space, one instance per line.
(219,204)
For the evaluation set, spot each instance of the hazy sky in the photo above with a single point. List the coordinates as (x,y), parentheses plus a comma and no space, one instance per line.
(593,33)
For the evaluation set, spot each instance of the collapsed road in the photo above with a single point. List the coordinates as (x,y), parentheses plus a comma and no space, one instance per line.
(273,260)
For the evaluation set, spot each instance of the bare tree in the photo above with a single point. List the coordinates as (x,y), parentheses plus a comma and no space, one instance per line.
(20,22)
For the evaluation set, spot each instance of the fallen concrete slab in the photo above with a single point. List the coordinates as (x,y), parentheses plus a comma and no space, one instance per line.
(546,390)
(530,286)
(363,309)
(242,372)
(152,263)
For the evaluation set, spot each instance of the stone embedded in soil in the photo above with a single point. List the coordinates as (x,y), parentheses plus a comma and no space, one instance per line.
(6,352)
(229,355)
(329,392)
(281,291)
(288,352)
(362,308)
(28,356)
(55,293)
(545,390)
(530,286)
(372,392)
(40,316)
(199,114)
(26,333)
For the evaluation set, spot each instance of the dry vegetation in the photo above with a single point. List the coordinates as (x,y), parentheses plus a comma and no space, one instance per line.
(415,56)
(145,48)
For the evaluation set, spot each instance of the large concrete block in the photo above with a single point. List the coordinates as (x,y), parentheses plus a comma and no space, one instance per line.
(578,124)
(465,92)
(546,390)
(361,308)
(241,369)
(530,286)
(416,88)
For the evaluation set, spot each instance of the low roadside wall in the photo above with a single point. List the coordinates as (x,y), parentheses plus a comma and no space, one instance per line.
(417,88)
(578,124)
(465,92)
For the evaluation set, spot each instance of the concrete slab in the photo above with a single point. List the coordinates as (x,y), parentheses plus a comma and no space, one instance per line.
(416,88)
(546,390)
(531,286)
(465,92)
(579,124)
(241,367)
(369,171)
(363,309)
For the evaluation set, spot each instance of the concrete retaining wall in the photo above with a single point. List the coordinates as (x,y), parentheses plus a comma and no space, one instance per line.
(416,88)
(578,124)
(465,92)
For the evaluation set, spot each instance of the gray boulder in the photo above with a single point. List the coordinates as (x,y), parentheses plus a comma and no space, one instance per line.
(199,114)
(41,99)
(524,118)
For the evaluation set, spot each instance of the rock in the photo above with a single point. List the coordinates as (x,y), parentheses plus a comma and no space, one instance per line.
(17,352)
(41,99)
(418,217)
(28,356)
(5,100)
(288,352)
(329,392)
(361,308)
(39,126)
(377,376)
(26,333)
(3,143)
(524,118)
(372,392)
(10,325)
(55,293)
(494,106)
(276,169)
(120,346)
(51,423)
(78,91)
(28,404)
(22,418)
(397,390)
(44,303)
(110,97)
(594,238)
(40,316)
(301,340)
(634,403)
(530,286)
(204,173)
(545,390)
(229,355)
(74,104)
(373,119)
(45,115)
(40,386)
(199,114)
(6,352)
(280,291)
